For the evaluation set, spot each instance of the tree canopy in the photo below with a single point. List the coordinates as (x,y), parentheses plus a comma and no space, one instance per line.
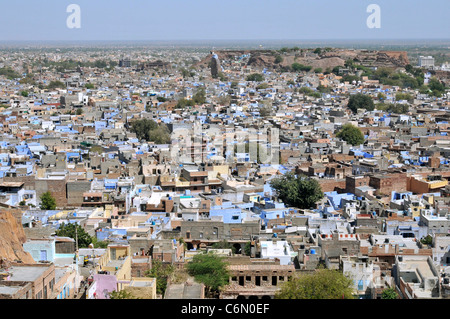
(161,272)
(436,87)
(122,294)
(56,85)
(255,77)
(151,131)
(389,293)
(75,231)
(351,134)
(48,202)
(209,269)
(321,284)
(297,191)
(393,108)
(198,98)
(360,101)
(300,67)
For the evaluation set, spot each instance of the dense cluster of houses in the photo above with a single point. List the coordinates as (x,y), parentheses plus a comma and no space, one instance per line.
(384,219)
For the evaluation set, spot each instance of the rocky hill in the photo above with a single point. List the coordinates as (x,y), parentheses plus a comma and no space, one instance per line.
(260,59)
(12,236)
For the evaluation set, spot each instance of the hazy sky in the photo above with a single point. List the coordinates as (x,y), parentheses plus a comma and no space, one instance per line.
(30,20)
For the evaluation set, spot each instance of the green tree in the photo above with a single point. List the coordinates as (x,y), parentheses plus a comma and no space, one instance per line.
(99,243)
(48,202)
(96,149)
(183,103)
(79,111)
(389,76)
(122,294)
(222,77)
(248,249)
(255,77)
(199,97)
(381,96)
(89,86)
(209,269)
(297,191)
(160,135)
(224,100)
(24,93)
(393,108)
(404,96)
(321,284)
(360,101)
(305,90)
(351,134)
(9,73)
(318,70)
(300,67)
(437,87)
(75,231)
(151,131)
(278,59)
(389,293)
(142,127)
(185,73)
(324,89)
(349,63)
(265,110)
(262,86)
(161,272)
(427,240)
(56,85)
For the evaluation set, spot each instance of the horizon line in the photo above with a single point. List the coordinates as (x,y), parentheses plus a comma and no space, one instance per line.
(239,40)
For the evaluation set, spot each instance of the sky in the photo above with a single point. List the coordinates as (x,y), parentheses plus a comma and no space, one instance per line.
(134,20)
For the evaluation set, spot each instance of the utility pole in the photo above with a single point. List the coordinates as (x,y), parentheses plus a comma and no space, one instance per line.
(76,236)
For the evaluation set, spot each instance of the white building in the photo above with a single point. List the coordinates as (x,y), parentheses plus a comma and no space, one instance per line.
(279,249)
(426,61)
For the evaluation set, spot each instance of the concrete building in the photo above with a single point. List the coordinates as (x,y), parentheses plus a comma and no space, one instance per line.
(426,61)
(417,277)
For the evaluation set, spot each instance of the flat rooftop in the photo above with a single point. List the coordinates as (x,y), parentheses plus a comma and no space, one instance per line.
(9,290)
(183,291)
(26,273)
(142,283)
(416,264)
